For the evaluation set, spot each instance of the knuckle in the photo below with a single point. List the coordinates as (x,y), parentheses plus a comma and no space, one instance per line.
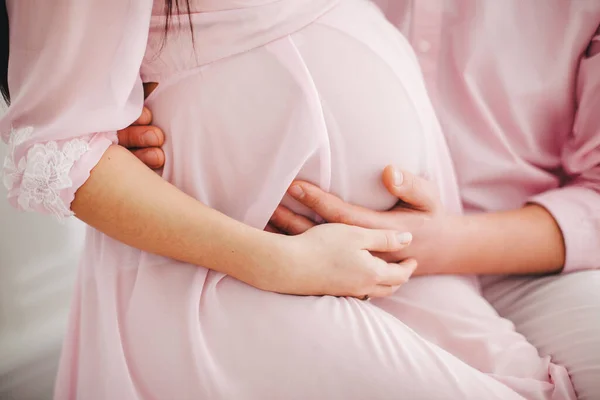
(402,279)
(134,137)
(282,223)
(414,184)
(147,114)
(428,186)
(360,292)
(341,216)
(352,233)
(123,136)
(338,216)
(370,278)
(311,200)
(408,178)
(293,226)
(286,220)
(389,240)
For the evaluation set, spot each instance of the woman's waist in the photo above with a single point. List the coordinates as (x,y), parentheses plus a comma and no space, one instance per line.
(204,37)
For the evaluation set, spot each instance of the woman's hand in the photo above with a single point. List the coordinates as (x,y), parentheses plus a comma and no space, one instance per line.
(418,211)
(336,259)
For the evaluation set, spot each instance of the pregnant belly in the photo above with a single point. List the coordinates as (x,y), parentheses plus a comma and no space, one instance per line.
(332,104)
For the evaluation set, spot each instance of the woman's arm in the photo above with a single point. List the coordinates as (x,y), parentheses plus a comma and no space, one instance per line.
(74,80)
(144,211)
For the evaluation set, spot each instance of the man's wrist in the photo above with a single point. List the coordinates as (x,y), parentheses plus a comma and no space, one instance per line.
(452,237)
(522,241)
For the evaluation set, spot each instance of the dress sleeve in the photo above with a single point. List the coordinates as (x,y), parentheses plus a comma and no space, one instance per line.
(576,206)
(74,80)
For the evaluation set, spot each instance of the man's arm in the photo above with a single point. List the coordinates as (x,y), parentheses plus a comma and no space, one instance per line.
(524,241)
(576,205)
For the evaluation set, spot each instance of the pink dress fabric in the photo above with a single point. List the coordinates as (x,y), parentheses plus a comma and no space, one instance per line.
(516,87)
(323,90)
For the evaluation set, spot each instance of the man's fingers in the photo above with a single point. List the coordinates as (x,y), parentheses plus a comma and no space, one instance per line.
(415,191)
(144,141)
(145,117)
(272,229)
(153,157)
(141,137)
(333,209)
(385,241)
(289,222)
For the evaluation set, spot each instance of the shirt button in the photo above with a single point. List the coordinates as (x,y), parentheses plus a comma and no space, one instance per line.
(423,46)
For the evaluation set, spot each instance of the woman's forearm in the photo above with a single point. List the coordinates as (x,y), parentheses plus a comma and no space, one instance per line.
(127,201)
(524,241)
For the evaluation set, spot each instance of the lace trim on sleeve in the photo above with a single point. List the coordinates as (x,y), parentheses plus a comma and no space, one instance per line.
(40,176)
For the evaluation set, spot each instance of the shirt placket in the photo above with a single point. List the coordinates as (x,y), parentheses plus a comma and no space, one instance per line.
(425,37)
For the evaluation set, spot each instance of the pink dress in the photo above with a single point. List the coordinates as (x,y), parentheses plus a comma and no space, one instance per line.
(323,90)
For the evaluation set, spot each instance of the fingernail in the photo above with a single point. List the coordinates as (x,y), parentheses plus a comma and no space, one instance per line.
(296,191)
(152,158)
(149,138)
(398,178)
(405,238)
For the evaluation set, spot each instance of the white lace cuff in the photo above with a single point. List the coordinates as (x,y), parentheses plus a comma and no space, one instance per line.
(42,178)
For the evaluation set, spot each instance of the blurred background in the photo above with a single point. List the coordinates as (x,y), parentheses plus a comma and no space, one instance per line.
(38,261)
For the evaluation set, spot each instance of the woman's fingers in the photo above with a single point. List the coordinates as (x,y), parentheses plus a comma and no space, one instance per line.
(397,274)
(392,277)
(384,241)
(287,221)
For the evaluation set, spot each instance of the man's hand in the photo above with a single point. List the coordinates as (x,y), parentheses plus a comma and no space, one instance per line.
(419,211)
(144,140)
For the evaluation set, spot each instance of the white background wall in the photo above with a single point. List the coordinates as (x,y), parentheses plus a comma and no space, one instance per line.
(38,258)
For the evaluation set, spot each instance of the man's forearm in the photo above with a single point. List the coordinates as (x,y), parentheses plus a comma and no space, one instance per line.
(524,241)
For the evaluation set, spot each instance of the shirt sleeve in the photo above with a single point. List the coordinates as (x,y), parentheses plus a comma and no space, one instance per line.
(74,80)
(576,205)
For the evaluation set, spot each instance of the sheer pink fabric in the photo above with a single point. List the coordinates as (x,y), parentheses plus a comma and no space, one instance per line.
(324,90)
